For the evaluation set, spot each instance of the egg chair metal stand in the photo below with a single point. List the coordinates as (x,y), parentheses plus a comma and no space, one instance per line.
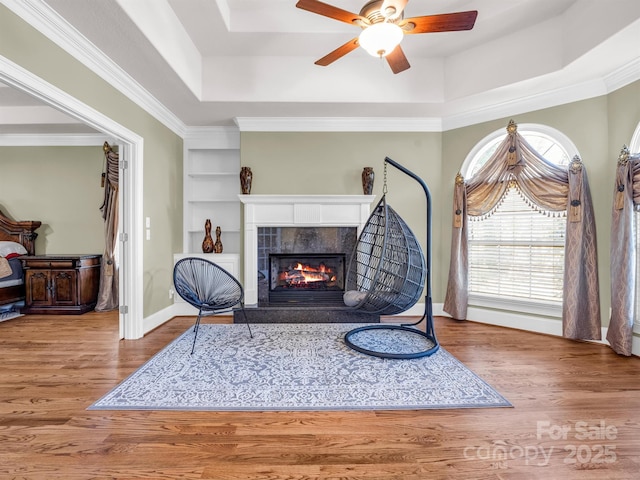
(387,274)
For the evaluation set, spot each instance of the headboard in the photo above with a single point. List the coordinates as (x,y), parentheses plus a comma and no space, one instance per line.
(21,232)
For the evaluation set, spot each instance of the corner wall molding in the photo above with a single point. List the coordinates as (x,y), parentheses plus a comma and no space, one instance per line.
(48,22)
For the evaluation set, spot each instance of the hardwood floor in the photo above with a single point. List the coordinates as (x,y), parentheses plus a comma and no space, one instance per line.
(576,415)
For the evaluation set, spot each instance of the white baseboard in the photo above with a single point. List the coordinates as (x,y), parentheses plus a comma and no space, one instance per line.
(529,323)
(155,320)
(518,321)
(178,309)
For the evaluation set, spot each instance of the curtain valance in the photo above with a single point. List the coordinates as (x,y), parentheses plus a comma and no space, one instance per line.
(544,184)
(547,187)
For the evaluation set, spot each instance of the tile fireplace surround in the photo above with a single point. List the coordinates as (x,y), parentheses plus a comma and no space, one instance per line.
(295,211)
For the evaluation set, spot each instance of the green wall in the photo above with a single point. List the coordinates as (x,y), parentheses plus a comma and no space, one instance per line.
(59,186)
(332,163)
(162,160)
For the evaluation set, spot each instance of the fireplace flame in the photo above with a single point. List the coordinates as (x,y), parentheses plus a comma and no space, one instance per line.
(304,273)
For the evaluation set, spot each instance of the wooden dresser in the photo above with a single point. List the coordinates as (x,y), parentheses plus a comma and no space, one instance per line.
(61,284)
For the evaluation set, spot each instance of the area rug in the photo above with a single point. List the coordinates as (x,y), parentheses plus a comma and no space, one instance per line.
(9,315)
(295,367)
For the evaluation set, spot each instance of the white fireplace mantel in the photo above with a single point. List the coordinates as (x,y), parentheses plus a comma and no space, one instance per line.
(294,211)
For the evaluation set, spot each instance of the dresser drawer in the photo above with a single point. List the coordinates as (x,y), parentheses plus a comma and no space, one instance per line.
(60,261)
(36,263)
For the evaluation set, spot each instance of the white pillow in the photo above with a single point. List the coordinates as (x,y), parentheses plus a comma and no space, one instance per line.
(7,248)
(352,298)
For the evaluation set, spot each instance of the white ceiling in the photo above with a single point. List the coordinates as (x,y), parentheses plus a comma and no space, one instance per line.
(220,62)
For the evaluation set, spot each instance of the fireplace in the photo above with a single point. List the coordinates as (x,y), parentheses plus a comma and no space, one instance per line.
(304,226)
(306,278)
(281,282)
(290,224)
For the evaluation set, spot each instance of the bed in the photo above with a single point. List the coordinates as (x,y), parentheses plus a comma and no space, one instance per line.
(16,239)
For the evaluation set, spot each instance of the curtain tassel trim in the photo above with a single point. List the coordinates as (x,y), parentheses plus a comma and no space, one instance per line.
(623,162)
(458,200)
(575,209)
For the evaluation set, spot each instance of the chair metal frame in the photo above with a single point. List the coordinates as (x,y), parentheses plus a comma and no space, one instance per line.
(396,295)
(209,288)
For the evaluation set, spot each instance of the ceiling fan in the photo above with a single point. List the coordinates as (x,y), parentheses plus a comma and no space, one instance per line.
(383,27)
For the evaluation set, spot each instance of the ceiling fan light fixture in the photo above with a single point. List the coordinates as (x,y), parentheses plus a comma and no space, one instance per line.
(381,38)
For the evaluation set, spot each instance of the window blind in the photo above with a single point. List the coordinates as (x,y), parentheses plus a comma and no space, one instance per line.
(517,253)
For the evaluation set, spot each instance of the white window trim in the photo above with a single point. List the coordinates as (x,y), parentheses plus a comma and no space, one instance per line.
(546,309)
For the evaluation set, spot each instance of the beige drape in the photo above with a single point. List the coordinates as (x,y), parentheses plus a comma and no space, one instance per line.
(546,187)
(626,199)
(108,292)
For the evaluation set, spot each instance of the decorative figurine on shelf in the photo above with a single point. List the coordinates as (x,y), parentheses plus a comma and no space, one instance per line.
(217,247)
(367,180)
(246,176)
(207,243)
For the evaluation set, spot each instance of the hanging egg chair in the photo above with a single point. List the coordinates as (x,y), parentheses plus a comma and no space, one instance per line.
(387,269)
(386,275)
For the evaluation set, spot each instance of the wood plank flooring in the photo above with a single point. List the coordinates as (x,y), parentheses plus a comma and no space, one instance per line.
(576,415)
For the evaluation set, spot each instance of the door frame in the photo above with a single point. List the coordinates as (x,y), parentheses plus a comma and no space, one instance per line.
(131,149)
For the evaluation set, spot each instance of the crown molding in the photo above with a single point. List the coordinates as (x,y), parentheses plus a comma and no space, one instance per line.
(529,103)
(48,22)
(52,140)
(623,76)
(553,97)
(339,124)
(464,112)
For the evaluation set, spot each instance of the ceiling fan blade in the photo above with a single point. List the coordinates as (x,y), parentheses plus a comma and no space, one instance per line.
(338,52)
(330,11)
(446,22)
(397,60)
(393,8)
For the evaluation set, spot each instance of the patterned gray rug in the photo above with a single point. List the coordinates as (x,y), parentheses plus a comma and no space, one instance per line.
(296,367)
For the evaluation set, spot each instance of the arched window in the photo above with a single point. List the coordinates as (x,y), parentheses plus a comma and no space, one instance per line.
(516,254)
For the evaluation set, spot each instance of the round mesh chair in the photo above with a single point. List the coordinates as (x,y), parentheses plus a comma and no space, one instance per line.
(386,275)
(208,287)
